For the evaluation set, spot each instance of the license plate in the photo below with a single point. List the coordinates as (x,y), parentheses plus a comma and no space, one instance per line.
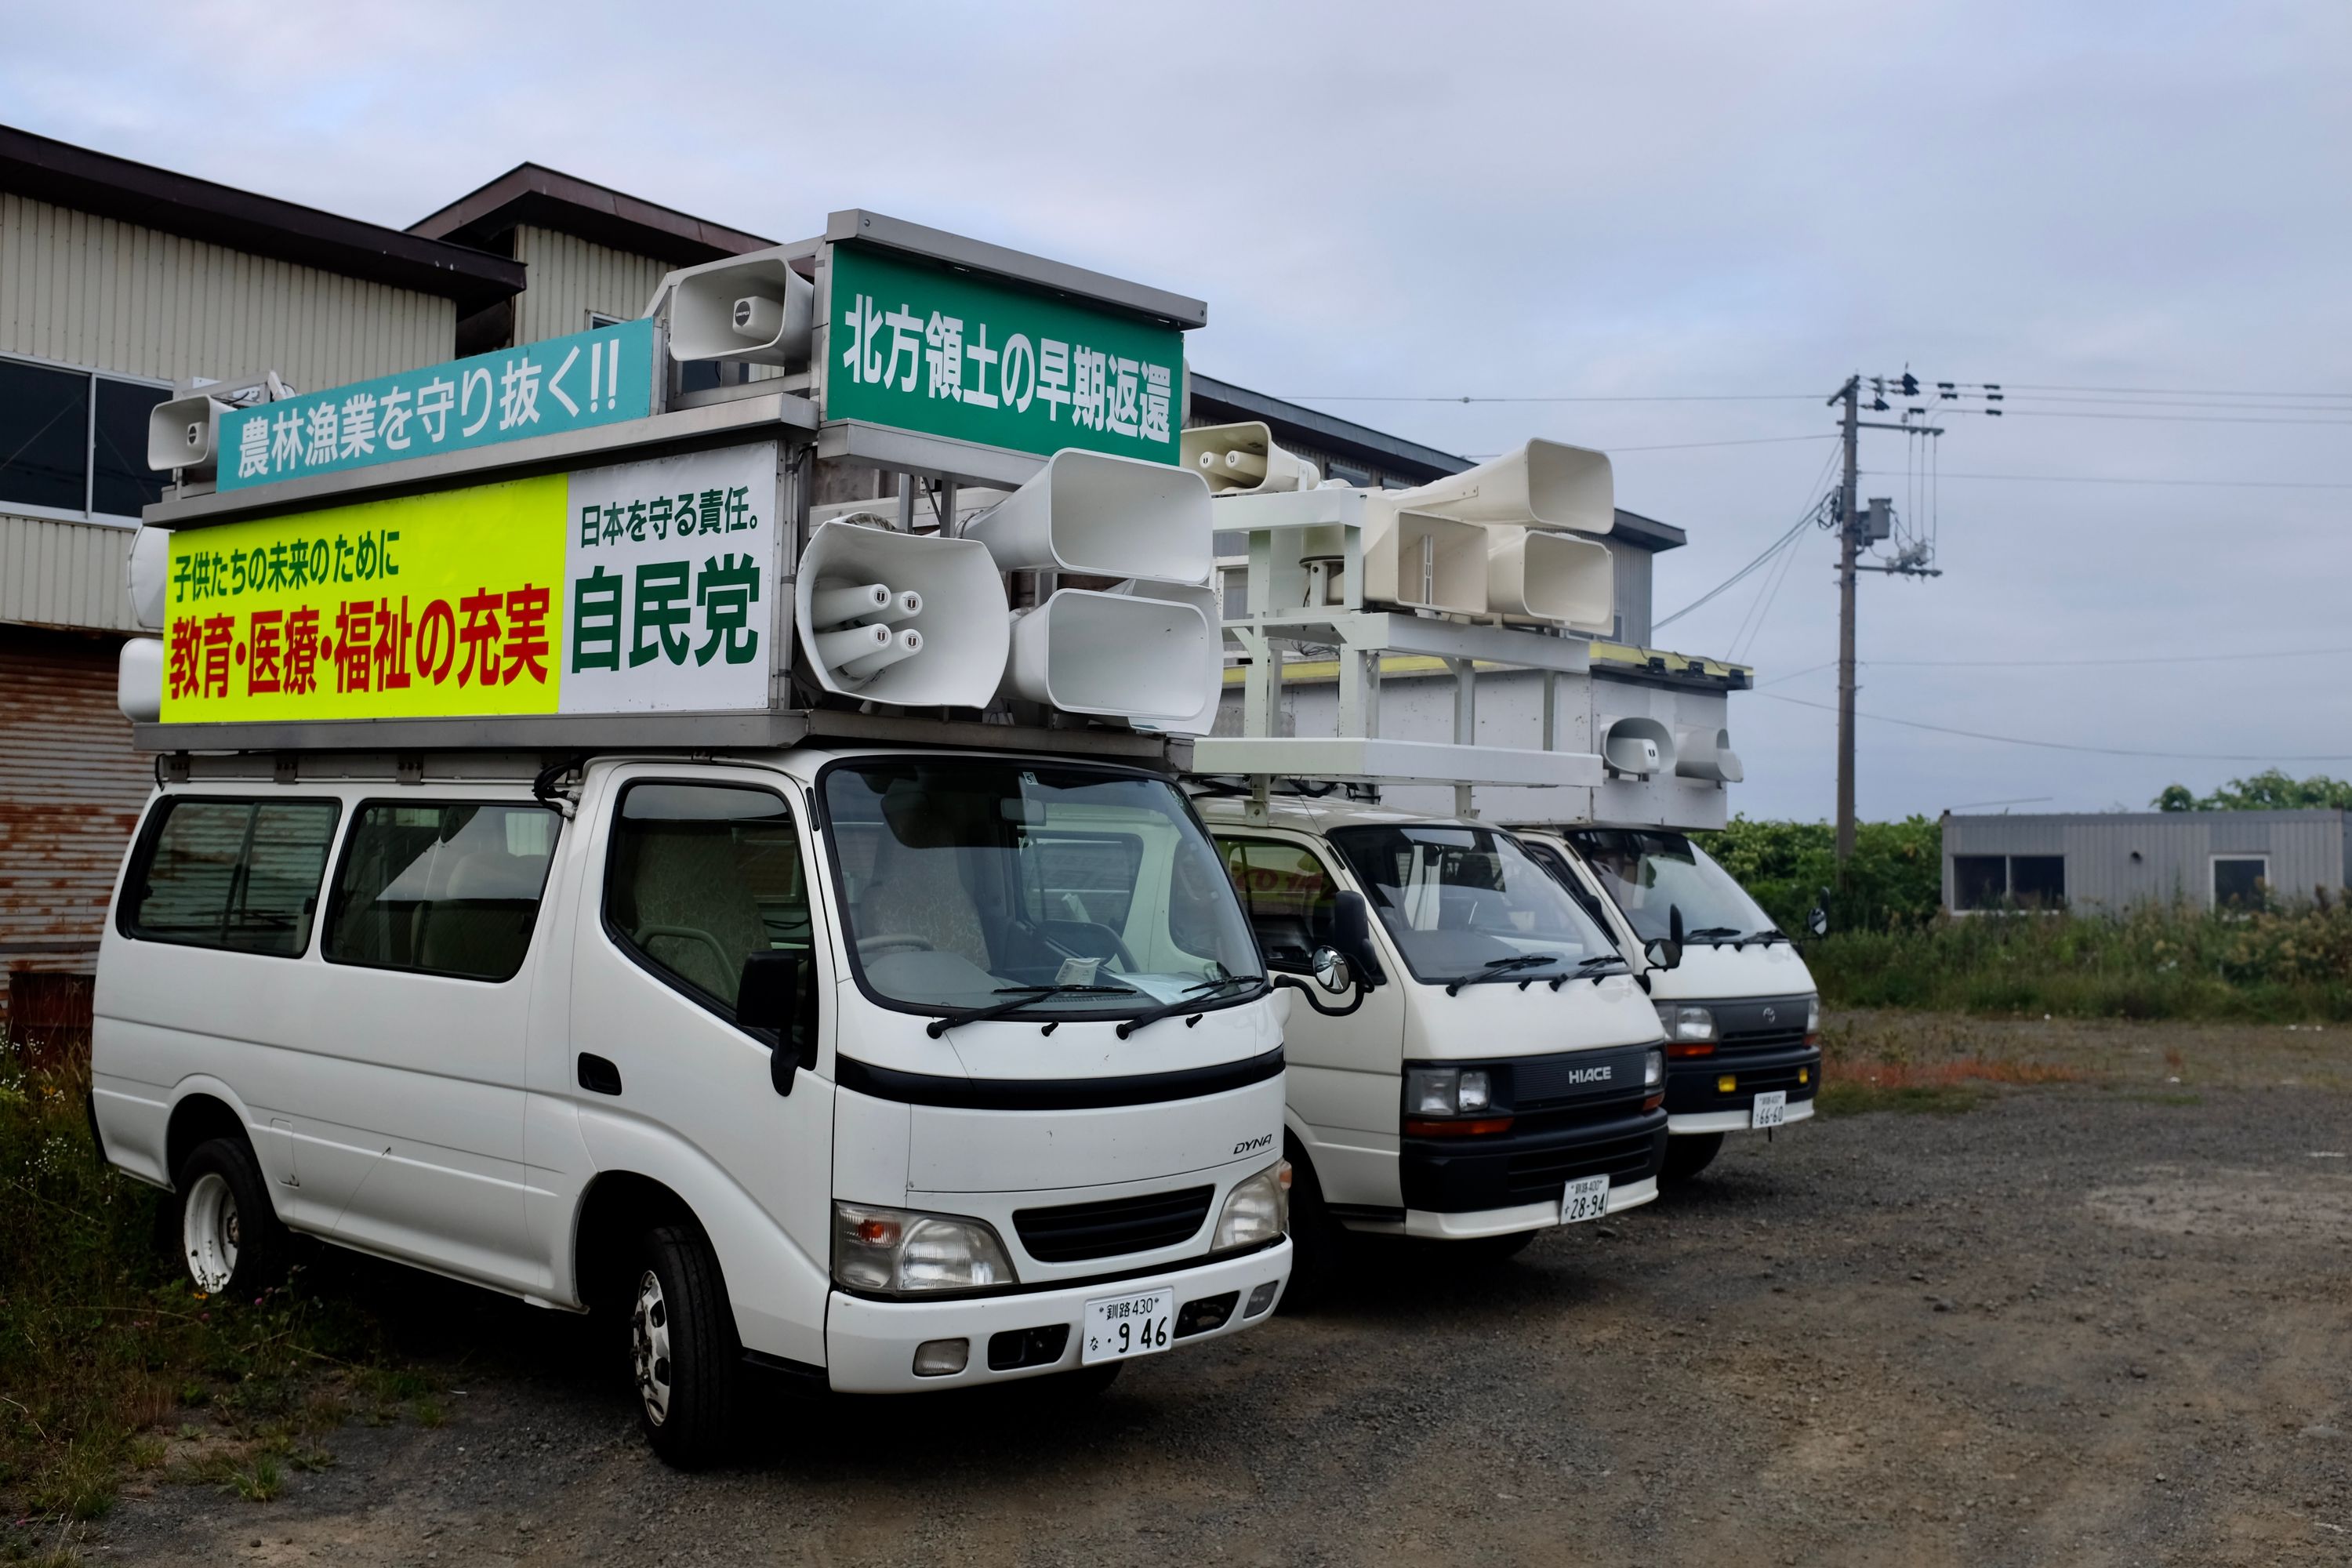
(1587,1197)
(1770,1110)
(1124,1326)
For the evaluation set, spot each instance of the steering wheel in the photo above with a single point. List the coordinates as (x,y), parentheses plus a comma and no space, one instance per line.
(896,942)
(1119,948)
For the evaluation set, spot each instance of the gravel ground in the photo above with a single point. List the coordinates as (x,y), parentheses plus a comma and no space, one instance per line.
(2092,1322)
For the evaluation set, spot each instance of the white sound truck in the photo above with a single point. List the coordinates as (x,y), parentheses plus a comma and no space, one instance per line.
(1741,1014)
(1479,1061)
(578,870)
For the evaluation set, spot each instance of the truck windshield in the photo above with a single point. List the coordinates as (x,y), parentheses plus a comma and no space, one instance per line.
(1462,901)
(1649,872)
(967,883)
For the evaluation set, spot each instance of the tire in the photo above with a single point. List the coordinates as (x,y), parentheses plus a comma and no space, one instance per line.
(1485,1251)
(1318,1244)
(230,1240)
(682,1348)
(1687,1156)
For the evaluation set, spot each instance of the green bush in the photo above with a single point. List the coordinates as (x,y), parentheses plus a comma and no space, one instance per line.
(1895,882)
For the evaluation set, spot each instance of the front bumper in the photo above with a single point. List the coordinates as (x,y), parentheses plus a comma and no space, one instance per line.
(1696,1103)
(1522,1217)
(870,1344)
(1526,1169)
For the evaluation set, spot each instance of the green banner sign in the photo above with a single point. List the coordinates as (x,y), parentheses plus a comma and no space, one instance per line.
(916,347)
(598,377)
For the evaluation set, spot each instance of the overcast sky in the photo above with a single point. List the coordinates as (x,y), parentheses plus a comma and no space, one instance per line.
(1412,200)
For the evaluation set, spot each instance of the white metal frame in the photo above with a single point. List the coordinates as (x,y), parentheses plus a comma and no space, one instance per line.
(89,513)
(2213,865)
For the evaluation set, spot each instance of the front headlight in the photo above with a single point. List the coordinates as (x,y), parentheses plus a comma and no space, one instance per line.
(901,1252)
(1447,1091)
(1688,1025)
(1813,1017)
(1256,1211)
(1653,1068)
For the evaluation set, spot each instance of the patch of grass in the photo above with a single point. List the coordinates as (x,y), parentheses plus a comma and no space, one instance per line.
(1850,1088)
(1851,1098)
(105,1349)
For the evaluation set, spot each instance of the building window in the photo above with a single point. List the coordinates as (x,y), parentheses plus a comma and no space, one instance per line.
(2241,882)
(598,320)
(2005,882)
(74,443)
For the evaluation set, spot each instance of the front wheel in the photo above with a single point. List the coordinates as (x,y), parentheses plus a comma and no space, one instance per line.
(230,1238)
(1318,1244)
(1688,1155)
(682,1348)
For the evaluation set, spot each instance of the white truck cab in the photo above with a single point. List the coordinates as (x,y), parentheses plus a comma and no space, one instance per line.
(897,1070)
(1740,1010)
(1499,1071)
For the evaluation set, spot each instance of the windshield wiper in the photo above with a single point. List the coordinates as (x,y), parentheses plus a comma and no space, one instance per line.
(1703,933)
(1194,996)
(1015,998)
(1502,969)
(1597,967)
(1768,936)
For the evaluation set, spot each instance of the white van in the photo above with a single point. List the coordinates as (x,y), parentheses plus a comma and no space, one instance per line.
(1740,1010)
(1495,1070)
(894,1070)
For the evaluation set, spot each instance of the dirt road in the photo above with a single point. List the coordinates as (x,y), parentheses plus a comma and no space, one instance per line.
(2082,1322)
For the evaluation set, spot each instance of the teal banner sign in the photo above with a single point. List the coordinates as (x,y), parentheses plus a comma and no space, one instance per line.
(948,353)
(592,378)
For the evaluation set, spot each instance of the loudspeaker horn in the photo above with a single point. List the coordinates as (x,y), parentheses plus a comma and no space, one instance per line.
(139,679)
(185,434)
(1705,752)
(1544,484)
(1111,654)
(1202,718)
(1638,746)
(1243,459)
(948,652)
(754,308)
(1552,578)
(1425,562)
(147,577)
(1104,516)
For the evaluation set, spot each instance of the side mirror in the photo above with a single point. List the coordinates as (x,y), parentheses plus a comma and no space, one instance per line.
(1332,971)
(1663,953)
(1351,939)
(1817,922)
(774,994)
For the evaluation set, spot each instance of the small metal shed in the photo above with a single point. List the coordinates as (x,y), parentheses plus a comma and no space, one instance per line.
(2111,859)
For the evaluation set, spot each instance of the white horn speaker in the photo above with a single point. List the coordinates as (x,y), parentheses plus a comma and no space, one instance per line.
(1638,746)
(1705,752)
(1243,458)
(1111,654)
(147,574)
(948,652)
(1424,562)
(185,434)
(1554,578)
(1104,516)
(754,308)
(139,679)
(1544,484)
(1202,718)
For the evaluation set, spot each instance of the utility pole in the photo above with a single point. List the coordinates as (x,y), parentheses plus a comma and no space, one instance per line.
(1849,528)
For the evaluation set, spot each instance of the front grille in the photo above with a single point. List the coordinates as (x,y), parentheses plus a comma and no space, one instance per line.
(1542,1173)
(1762,1040)
(1075,1232)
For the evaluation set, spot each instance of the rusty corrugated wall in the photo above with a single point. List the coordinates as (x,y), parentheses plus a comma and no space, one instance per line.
(70,793)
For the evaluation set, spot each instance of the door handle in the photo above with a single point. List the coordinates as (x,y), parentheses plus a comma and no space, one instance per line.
(599,1076)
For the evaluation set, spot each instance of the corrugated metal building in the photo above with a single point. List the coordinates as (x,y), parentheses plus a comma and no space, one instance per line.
(116,281)
(2210,859)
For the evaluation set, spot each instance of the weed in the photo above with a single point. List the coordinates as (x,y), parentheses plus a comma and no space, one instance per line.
(1898,1083)
(259,1484)
(430,1413)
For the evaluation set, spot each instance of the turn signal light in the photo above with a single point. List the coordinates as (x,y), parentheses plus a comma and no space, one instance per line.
(1805,1075)
(1675,1049)
(1727,1084)
(1654,1102)
(1416,1128)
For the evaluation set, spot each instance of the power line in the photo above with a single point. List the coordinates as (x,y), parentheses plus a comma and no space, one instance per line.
(1752,441)
(2059,663)
(2134,480)
(2166,418)
(1769,551)
(2064,746)
(2170,391)
(1569,397)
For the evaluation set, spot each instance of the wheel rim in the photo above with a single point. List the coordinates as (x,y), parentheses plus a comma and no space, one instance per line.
(649,1346)
(208,1231)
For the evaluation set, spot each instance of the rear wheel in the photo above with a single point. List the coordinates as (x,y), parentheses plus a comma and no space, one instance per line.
(230,1239)
(682,1348)
(1687,1156)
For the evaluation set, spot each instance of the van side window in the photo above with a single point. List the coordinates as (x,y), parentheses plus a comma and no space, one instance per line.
(1287,894)
(441,887)
(235,874)
(700,877)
